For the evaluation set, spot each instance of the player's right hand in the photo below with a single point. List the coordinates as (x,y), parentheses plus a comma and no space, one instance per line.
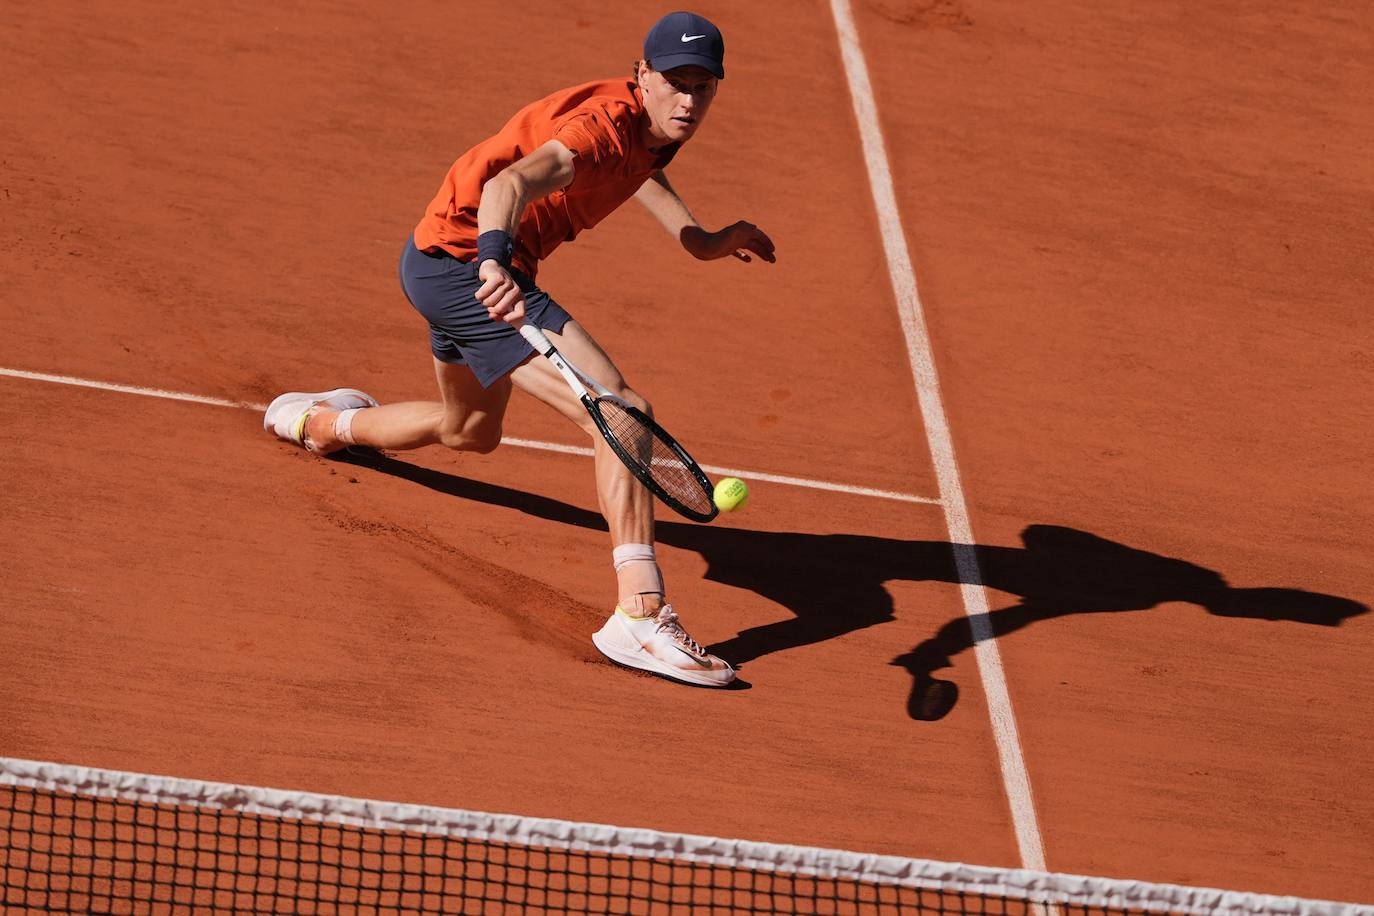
(500,293)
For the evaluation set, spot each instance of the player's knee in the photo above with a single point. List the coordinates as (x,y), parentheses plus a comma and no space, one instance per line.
(485,445)
(482,440)
(630,396)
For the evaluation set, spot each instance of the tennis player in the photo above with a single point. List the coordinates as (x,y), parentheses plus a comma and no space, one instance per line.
(558,167)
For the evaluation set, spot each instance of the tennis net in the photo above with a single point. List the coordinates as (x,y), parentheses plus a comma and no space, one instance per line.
(83,840)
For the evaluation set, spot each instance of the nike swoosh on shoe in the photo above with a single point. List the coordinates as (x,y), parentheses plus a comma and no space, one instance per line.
(704,664)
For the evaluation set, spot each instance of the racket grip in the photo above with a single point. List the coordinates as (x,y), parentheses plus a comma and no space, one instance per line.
(536,338)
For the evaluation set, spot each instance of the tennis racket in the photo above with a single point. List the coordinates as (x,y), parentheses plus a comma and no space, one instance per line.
(653,456)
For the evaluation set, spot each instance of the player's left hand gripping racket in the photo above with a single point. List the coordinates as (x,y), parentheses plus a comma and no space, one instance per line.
(653,456)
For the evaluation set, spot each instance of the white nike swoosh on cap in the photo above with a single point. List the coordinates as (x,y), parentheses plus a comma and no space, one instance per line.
(686,37)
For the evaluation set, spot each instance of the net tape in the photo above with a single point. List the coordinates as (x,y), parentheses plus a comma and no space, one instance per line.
(1042,888)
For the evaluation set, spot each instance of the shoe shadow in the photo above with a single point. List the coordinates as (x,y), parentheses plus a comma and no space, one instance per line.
(833,584)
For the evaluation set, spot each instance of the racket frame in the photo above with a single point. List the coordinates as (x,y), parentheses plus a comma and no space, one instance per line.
(580,383)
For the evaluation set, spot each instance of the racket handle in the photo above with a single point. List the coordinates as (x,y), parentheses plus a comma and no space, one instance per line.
(536,338)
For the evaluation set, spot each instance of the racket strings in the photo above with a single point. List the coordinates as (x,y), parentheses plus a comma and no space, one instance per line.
(632,430)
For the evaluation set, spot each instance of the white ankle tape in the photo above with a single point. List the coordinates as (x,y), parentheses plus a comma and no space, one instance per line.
(343,425)
(637,570)
(626,554)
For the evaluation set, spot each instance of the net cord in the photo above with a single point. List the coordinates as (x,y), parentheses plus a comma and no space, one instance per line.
(1036,887)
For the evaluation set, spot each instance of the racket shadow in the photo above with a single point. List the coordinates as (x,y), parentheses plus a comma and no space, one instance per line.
(834,584)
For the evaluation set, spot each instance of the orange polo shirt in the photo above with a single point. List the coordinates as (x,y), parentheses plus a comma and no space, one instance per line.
(599,122)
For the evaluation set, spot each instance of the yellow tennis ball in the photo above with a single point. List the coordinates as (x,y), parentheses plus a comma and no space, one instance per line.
(731,494)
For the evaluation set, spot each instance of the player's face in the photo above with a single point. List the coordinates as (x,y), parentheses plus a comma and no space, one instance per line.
(676,100)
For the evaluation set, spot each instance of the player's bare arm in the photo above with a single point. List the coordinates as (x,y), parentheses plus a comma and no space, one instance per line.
(549,168)
(738,239)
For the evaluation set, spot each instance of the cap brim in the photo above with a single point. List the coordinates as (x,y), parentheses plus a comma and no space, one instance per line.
(673,61)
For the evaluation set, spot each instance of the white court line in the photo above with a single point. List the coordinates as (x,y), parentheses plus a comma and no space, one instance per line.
(128,389)
(1014,776)
(506,440)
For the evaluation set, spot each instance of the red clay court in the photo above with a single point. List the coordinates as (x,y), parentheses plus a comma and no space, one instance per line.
(1121,426)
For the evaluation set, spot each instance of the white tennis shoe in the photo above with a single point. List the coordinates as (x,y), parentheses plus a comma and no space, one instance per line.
(658,644)
(288,413)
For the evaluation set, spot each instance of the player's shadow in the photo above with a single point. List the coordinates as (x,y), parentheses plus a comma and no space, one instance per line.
(833,584)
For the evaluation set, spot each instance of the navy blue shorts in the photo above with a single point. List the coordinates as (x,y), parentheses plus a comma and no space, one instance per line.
(444,290)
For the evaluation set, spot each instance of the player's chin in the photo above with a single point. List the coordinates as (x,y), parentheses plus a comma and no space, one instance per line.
(682,128)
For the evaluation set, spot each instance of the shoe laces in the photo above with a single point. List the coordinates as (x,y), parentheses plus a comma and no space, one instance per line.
(668,623)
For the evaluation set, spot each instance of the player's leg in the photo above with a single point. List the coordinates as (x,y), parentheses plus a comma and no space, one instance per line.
(626,504)
(643,632)
(406,425)
(468,349)
(467,419)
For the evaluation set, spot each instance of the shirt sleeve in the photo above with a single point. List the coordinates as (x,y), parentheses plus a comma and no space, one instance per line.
(592,136)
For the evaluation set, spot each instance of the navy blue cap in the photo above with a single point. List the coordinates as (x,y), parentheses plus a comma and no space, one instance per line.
(685,40)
